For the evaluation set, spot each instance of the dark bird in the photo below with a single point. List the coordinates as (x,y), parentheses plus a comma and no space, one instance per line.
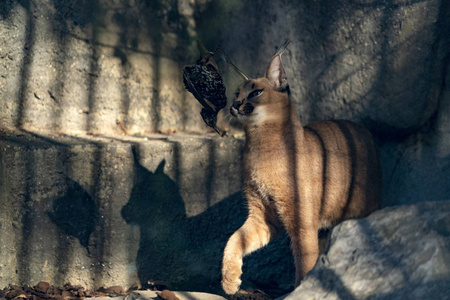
(204,81)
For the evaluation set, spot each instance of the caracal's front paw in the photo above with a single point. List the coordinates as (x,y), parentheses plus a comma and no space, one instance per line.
(231,286)
(231,279)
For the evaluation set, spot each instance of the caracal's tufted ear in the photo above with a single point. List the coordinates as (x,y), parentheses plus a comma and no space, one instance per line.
(276,72)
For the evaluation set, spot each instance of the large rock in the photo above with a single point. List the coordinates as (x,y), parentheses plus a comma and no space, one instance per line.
(396,253)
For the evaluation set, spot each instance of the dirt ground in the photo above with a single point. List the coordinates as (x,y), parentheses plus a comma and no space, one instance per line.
(43,291)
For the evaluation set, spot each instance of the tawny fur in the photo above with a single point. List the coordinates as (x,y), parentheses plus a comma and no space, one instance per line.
(296,178)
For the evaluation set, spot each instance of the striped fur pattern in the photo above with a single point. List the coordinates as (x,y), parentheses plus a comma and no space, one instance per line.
(299,179)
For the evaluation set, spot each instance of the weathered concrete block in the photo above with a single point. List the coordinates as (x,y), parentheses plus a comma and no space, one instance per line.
(103,211)
(72,66)
(62,69)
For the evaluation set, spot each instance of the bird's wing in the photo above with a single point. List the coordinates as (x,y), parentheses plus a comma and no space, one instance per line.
(203,101)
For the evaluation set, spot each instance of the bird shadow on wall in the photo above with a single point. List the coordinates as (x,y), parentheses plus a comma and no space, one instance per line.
(75,213)
(183,252)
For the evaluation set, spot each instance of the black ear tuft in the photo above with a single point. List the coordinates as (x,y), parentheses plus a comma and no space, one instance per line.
(275,71)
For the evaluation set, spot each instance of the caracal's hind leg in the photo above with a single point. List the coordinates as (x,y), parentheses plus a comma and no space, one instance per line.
(303,230)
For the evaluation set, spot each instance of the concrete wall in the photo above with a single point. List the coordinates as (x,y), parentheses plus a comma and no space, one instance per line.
(102,212)
(83,83)
(72,66)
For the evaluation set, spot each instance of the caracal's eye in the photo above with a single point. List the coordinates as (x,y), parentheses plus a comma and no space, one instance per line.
(254,94)
(235,96)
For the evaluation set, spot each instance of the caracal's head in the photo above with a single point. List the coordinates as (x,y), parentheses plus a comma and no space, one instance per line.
(263,99)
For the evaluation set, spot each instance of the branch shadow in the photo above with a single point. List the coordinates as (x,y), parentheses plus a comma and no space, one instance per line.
(25,70)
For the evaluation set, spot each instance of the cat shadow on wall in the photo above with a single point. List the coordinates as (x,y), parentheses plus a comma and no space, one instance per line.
(184,252)
(156,206)
(76,213)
